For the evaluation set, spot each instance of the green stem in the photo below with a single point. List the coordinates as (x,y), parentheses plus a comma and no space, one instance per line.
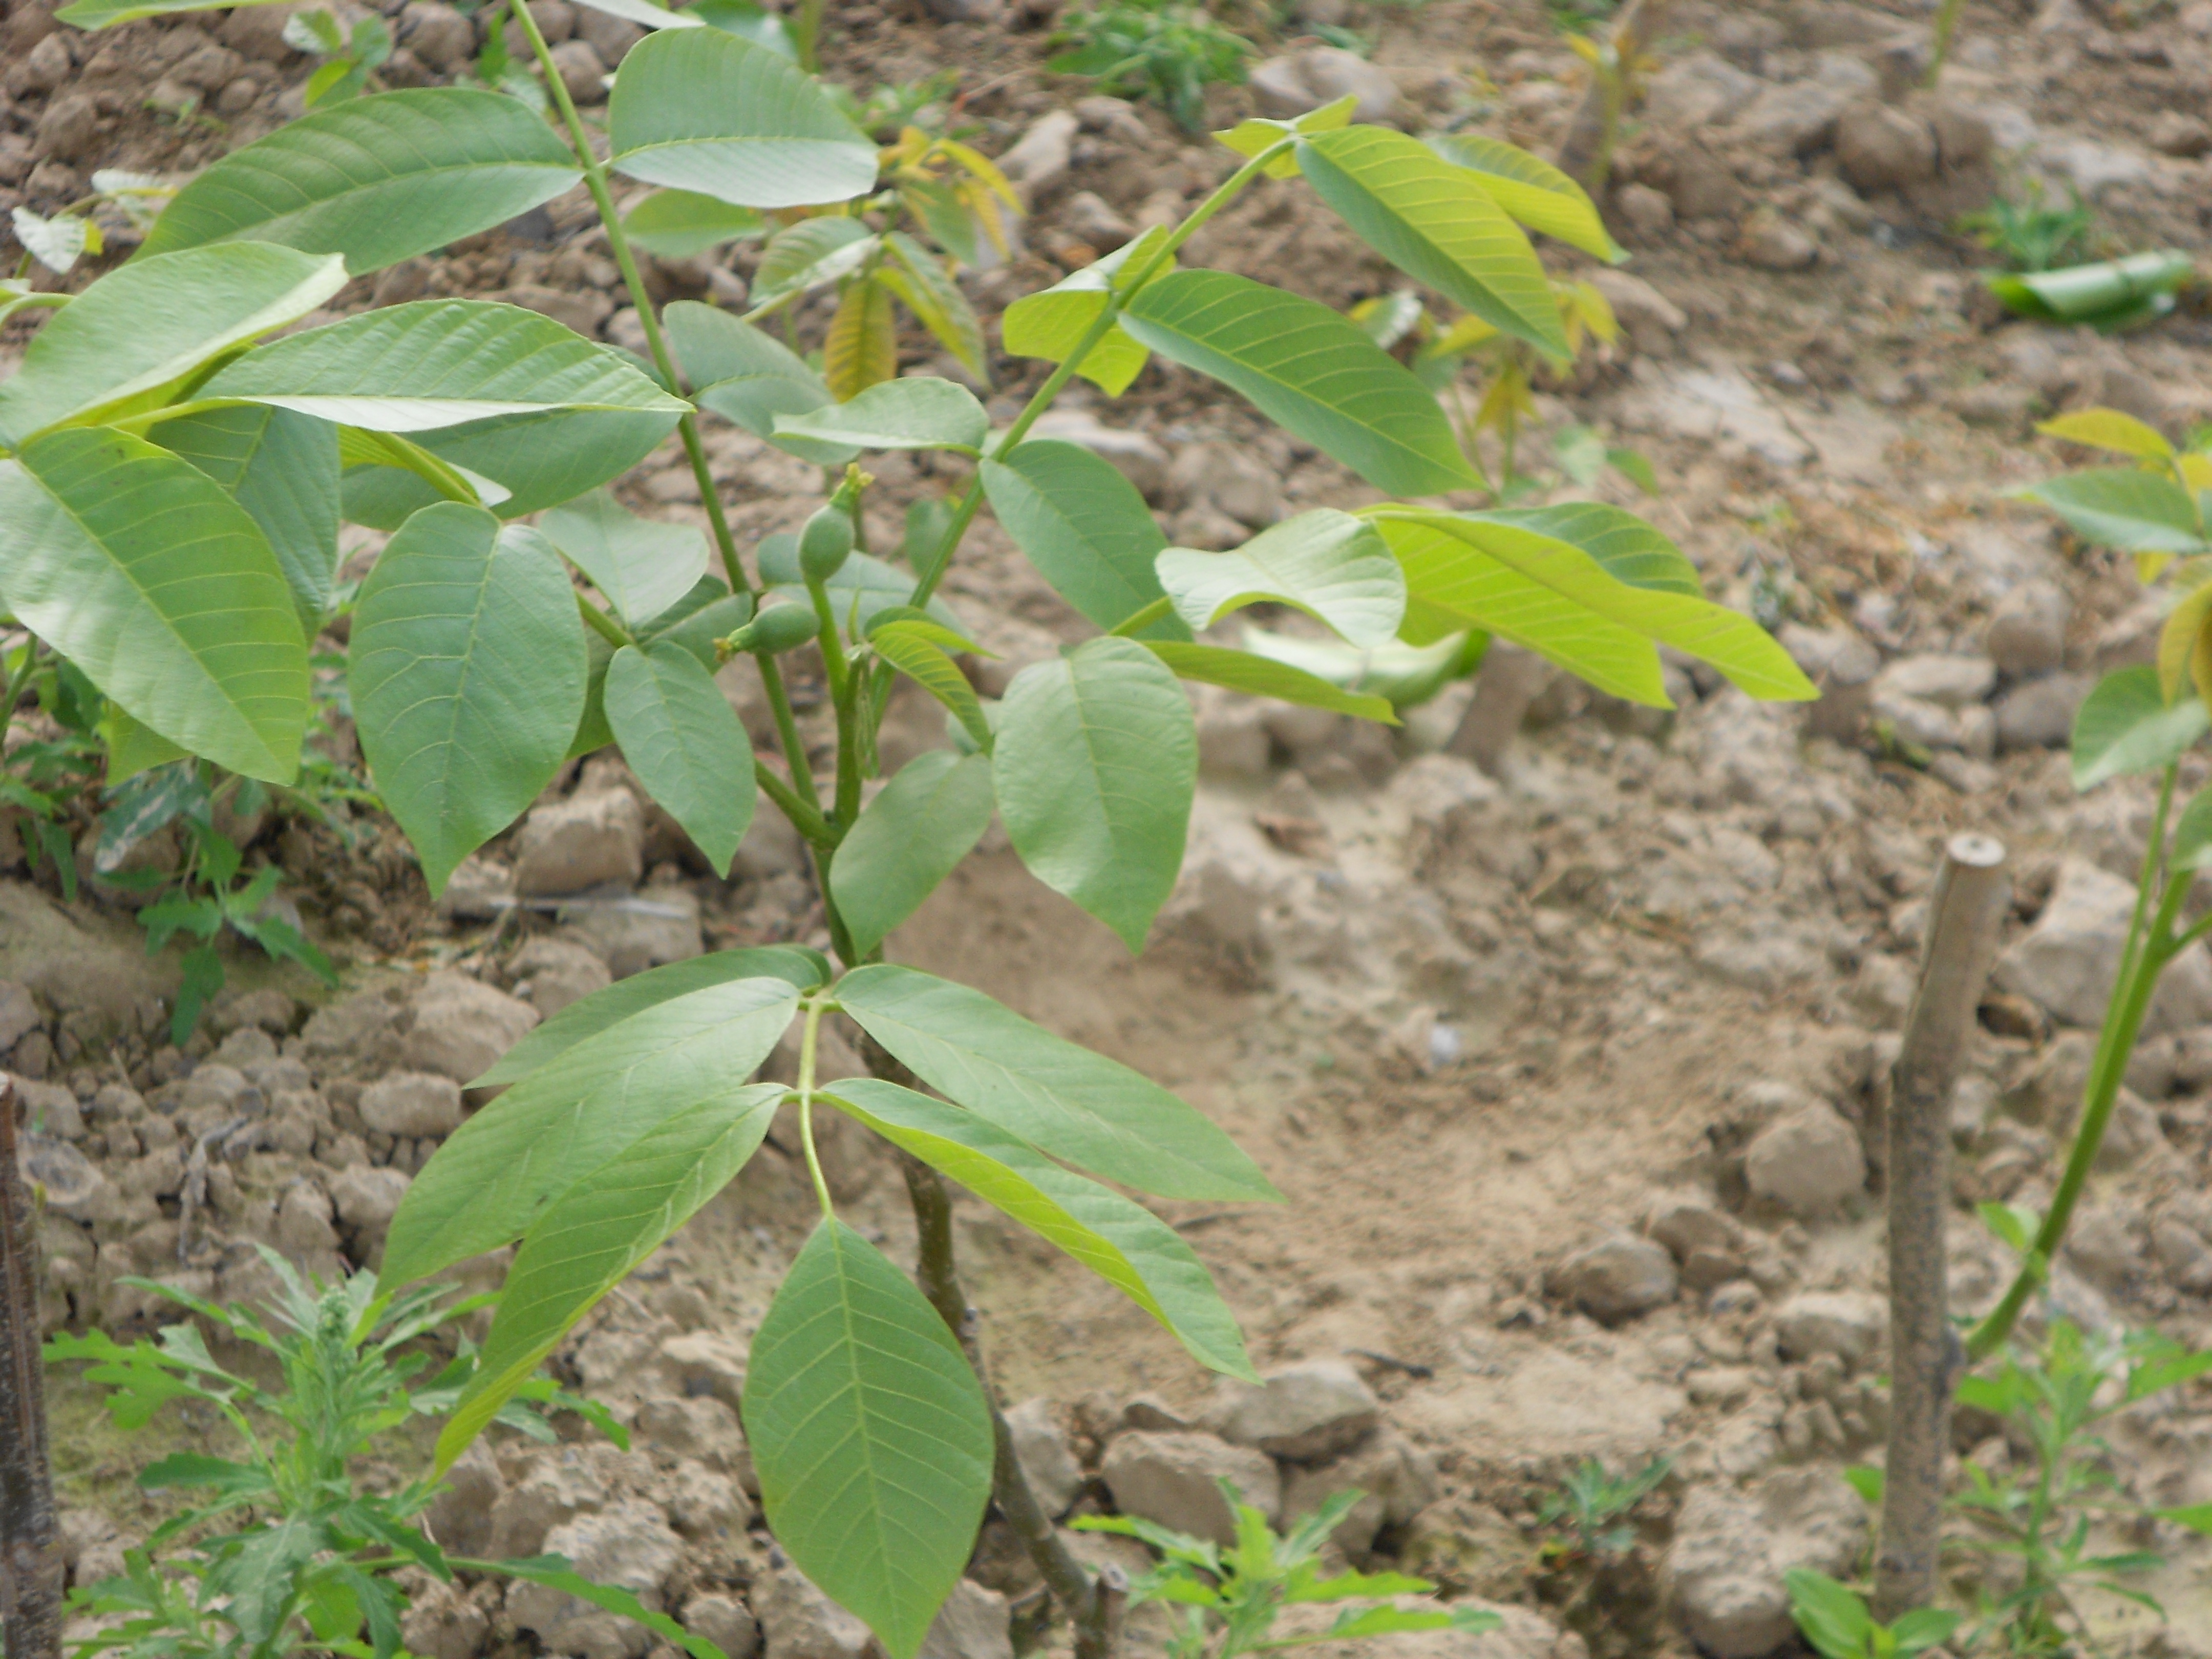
(786,732)
(1042,399)
(1947,26)
(833,648)
(16,680)
(807,820)
(1131,625)
(808,1039)
(2123,1019)
(602,624)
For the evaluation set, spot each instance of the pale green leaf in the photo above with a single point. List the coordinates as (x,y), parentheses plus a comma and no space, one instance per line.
(642,565)
(142,328)
(437,363)
(1061,1098)
(909,839)
(1254,137)
(2125,725)
(2123,508)
(540,459)
(467,672)
(1405,676)
(747,377)
(1532,190)
(916,412)
(2192,834)
(808,255)
(2108,428)
(675,224)
(1096,767)
(1436,222)
(378,178)
(686,744)
(871,1436)
(590,1238)
(106,14)
(1051,324)
(501,1170)
(908,646)
(702,110)
(282,469)
(1264,677)
(1085,528)
(645,14)
(1329,564)
(1122,1242)
(1309,371)
(794,964)
(137,567)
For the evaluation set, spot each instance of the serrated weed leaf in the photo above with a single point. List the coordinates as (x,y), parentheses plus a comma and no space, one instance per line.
(871,1436)
(1059,1096)
(490,1181)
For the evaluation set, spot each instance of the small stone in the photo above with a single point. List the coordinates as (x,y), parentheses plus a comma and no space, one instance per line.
(1807,1161)
(798,1621)
(460,1515)
(1284,87)
(1396,1479)
(705,1505)
(1647,212)
(1040,159)
(366,1199)
(612,37)
(558,972)
(1724,1569)
(1231,482)
(1882,147)
(1845,1324)
(412,1104)
(2182,1252)
(2068,962)
(18,1014)
(552,1493)
(46,68)
(462,1026)
(702,1363)
(630,1546)
(584,75)
(1616,1279)
(438,34)
(257,32)
(1303,1412)
(68,130)
(2027,629)
(444,1622)
(1088,219)
(973,1624)
(569,846)
(726,1621)
(1047,1462)
(1772,243)
(702,1429)
(479,889)
(633,932)
(2039,714)
(2173,132)
(1947,681)
(1169,1479)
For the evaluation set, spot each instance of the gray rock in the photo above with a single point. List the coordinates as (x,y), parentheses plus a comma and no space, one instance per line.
(1772,242)
(1847,1324)
(2039,714)
(1169,1479)
(612,38)
(2068,962)
(366,1199)
(1881,148)
(1047,1462)
(707,1506)
(633,932)
(1795,119)
(1396,1480)
(1947,681)
(1231,481)
(18,1013)
(1305,1413)
(702,1429)
(726,1621)
(553,1493)
(631,1546)
(68,129)
(1303,82)
(462,1026)
(1616,1279)
(2182,1252)
(590,840)
(1724,1569)
(798,1621)
(412,1104)
(582,71)
(1698,89)
(479,889)
(1041,157)
(1808,1162)
(972,1625)
(2027,629)
(1088,219)
(51,1110)
(438,34)
(1648,213)
(701,1363)
(460,1515)
(558,971)
(443,1621)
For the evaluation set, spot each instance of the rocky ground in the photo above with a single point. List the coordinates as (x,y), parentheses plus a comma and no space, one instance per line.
(1571,1066)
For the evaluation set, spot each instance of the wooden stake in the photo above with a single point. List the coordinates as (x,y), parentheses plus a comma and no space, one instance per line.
(1973,890)
(30,1540)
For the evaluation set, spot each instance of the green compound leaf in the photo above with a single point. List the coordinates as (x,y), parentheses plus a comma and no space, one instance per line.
(794,964)
(283,470)
(504,1168)
(1264,677)
(675,224)
(1436,222)
(2124,508)
(440,363)
(377,179)
(123,344)
(2124,726)
(909,838)
(909,647)
(871,1436)
(1329,564)
(702,110)
(467,670)
(137,567)
(592,1237)
(1532,190)
(686,744)
(1096,766)
(1057,1095)
(916,412)
(1051,324)
(541,458)
(1085,529)
(1308,370)
(1122,1242)
(643,565)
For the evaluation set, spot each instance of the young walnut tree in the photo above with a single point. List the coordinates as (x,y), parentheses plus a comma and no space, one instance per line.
(169,522)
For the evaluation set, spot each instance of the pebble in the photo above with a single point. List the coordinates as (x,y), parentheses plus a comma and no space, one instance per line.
(1170,1478)
(1303,1412)
(1616,1279)
(1807,1161)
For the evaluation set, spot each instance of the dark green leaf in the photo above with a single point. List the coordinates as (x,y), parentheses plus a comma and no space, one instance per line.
(916,412)
(684,742)
(282,469)
(1085,528)
(675,224)
(910,837)
(643,565)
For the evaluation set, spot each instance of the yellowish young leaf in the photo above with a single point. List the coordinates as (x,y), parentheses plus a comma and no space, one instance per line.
(2184,646)
(861,348)
(2107,428)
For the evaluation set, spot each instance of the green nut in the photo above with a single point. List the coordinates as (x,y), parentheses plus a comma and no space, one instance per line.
(824,544)
(779,628)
